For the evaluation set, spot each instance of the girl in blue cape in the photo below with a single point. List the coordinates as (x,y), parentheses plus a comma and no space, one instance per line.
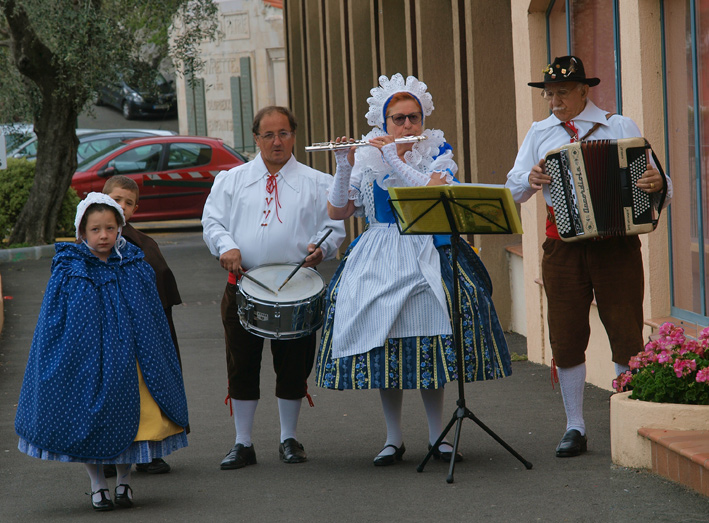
(102,383)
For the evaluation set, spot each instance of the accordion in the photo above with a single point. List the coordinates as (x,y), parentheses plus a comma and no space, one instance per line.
(593,189)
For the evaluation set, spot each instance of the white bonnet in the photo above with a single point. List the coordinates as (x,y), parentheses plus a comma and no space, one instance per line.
(91,198)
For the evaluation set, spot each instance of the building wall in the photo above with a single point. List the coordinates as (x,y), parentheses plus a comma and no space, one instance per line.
(251,48)
(338,48)
(642,101)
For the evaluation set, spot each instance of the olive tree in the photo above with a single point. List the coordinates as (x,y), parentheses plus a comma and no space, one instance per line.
(54,54)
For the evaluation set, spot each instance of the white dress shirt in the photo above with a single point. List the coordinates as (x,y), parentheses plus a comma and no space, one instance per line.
(241,214)
(550,134)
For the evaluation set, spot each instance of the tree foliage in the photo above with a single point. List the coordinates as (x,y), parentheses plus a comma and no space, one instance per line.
(55,54)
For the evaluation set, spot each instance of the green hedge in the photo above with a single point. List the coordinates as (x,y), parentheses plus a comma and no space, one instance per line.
(15,184)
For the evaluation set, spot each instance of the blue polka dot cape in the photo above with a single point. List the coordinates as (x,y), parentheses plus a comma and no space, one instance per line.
(80,399)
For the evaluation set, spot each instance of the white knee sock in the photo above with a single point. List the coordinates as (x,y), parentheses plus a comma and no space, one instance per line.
(123,477)
(98,480)
(433,403)
(620,369)
(244,412)
(392,401)
(572,381)
(288,411)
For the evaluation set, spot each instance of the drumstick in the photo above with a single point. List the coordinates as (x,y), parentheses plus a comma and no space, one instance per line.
(260,284)
(303,262)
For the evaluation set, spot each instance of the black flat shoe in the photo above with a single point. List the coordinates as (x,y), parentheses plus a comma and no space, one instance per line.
(105,504)
(238,457)
(572,444)
(290,451)
(390,459)
(445,455)
(123,500)
(157,466)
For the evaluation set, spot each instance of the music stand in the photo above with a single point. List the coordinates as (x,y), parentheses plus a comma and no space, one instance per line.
(456,209)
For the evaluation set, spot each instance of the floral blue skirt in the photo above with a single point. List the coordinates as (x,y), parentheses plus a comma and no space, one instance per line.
(424,362)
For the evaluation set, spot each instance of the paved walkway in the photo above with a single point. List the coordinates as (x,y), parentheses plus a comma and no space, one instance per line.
(341,435)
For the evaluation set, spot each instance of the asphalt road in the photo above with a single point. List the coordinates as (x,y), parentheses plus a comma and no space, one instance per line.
(341,434)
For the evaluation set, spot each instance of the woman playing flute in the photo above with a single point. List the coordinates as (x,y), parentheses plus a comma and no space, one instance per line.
(387,323)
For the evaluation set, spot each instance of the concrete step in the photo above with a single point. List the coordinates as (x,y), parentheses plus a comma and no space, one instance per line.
(681,456)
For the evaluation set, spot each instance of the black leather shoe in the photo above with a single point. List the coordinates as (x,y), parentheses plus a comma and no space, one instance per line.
(105,504)
(445,455)
(238,457)
(390,459)
(157,466)
(572,444)
(124,500)
(291,451)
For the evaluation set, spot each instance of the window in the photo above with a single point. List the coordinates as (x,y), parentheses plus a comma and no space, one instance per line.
(588,30)
(142,159)
(186,155)
(686,69)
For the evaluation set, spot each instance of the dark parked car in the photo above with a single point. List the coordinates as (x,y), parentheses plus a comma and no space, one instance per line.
(174,173)
(91,141)
(136,97)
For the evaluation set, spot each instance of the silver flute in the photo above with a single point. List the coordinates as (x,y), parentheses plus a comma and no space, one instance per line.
(331,146)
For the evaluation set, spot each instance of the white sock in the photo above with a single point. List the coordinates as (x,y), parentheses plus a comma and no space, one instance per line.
(288,411)
(572,381)
(433,403)
(98,480)
(392,401)
(620,369)
(244,412)
(123,477)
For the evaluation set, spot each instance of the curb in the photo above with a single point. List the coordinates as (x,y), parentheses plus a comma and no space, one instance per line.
(27,253)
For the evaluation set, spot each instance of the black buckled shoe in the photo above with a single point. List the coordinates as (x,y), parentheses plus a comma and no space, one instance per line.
(238,457)
(124,500)
(390,459)
(445,455)
(156,466)
(105,504)
(291,451)
(572,444)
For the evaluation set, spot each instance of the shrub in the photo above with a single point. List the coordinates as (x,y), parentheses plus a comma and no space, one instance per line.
(15,184)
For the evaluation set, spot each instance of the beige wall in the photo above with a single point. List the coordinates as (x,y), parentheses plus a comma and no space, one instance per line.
(250,29)
(642,101)
(455,47)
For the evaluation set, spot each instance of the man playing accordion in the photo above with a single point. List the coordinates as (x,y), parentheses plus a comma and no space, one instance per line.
(575,272)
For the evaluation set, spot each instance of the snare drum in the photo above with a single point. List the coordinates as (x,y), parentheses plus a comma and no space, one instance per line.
(295,312)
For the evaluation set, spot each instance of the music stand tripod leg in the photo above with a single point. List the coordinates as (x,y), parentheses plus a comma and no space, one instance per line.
(462,411)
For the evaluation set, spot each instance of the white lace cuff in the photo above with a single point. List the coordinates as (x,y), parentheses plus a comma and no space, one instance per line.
(338,195)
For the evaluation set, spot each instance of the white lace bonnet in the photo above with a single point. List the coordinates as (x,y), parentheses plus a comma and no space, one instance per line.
(381,96)
(91,198)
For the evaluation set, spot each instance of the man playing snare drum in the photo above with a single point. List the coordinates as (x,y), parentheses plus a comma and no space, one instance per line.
(270,210)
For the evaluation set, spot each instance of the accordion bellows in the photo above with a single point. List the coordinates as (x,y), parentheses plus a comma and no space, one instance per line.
(593,189)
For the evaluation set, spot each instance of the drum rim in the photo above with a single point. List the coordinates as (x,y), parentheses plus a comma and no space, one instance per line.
(267,302)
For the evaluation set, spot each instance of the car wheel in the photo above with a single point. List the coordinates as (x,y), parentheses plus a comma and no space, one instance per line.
(128,112)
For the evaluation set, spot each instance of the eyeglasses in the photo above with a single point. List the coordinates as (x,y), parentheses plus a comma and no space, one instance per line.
(399,118)
(561,93)
(269,137)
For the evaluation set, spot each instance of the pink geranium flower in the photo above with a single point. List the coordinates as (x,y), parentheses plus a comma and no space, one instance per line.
(672,368)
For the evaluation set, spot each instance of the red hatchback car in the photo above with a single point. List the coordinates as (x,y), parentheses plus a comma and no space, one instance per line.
(174,173)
